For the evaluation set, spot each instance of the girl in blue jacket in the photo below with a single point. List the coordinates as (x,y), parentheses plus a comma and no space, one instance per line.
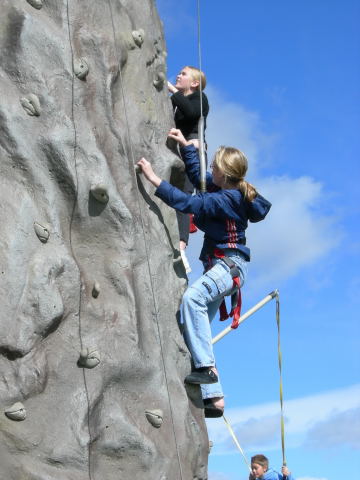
(222,213)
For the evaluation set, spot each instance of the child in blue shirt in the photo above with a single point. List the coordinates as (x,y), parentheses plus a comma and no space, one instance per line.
(222,213)
(261,471)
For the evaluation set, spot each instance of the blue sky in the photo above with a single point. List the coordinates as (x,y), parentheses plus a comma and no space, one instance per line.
(283,86)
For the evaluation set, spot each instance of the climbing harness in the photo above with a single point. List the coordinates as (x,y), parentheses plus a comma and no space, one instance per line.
(201,123)
(132,157)
(235,293)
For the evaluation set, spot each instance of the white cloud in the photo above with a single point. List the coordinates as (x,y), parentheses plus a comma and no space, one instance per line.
(256,425)
(296,231)
(339,430)
(231,124)
(311,478)
(218,476)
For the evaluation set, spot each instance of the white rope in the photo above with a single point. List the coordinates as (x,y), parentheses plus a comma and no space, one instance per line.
(201,123)
(236,441)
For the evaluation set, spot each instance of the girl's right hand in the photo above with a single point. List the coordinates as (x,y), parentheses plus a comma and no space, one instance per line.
(177,135)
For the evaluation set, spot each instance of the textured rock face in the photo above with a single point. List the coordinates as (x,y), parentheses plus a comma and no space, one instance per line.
(91,357)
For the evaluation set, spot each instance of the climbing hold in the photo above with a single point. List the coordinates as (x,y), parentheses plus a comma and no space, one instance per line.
(42,232)
(16,412)
(159,80)
(100,193)
(89,358)
(36,3)
(96,290)
(155,417)
(138,36)
(31,104)
(81,68)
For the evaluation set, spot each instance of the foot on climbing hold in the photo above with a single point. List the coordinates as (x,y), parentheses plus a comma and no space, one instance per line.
(212,409)
(204,375)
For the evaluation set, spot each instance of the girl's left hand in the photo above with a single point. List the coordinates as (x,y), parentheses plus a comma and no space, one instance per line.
(149,173)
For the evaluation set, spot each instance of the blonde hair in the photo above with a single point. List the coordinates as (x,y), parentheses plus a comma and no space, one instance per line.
(260,459)
(198,76)
(233,164)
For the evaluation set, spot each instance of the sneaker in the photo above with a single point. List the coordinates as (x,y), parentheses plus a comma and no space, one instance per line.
(204,375)
(211,410)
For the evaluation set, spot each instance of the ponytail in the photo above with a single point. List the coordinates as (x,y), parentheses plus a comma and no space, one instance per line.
(233,163)
(248,190)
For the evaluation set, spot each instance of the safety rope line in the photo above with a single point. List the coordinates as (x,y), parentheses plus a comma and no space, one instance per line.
(199,53)
(146,247)
(236,441)
(70,230)
(201,122)
(281,383)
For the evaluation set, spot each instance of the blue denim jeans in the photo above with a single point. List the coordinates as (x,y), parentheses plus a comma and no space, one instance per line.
(199,306)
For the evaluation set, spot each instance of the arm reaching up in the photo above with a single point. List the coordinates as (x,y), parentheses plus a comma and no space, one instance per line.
(148,172)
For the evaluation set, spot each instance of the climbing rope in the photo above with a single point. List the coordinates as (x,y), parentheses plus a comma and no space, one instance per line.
(281,384)
(232,433)
(146,247)
(70,230)
(199,53)
(201,123)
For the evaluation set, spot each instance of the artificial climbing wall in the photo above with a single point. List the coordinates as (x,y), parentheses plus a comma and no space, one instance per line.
(92,359)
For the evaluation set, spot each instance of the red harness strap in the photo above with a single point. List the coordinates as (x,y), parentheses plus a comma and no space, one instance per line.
(236,295)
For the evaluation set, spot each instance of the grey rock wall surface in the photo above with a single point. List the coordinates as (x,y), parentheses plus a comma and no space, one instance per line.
(92,359)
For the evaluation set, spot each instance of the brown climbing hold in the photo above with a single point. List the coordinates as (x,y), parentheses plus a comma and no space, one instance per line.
(31,105)
(42,232)
(16,412)
(100,193)
(36,3)
(81,68)
(96,290)
(138,36)
(155,417)
(89,358)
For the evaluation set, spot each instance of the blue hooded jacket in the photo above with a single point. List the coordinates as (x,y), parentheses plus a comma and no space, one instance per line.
(222,214)
(271,474)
